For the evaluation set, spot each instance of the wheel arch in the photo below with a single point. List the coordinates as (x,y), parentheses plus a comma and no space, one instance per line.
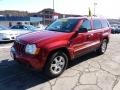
(107,38)
(62,49)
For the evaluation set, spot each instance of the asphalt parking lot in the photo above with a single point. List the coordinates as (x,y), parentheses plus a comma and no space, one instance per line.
(89,72)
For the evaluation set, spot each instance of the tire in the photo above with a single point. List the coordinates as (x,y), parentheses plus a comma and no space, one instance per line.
(56,64)
(103,47)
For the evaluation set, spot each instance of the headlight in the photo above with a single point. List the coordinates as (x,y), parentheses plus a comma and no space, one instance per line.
(17,39)
(31,49)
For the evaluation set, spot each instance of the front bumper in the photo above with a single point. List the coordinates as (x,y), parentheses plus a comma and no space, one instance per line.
(7,38)
(28,60)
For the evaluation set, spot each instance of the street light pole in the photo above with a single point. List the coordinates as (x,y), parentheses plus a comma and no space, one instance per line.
(53,9)
(95,8)
(53,6)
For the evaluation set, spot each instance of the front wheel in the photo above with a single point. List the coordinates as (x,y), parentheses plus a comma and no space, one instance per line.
(103,47)
(56,64)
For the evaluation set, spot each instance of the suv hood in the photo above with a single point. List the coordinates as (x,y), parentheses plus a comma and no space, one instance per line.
(43,36)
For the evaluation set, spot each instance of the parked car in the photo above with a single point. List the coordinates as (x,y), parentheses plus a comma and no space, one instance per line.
(40,27)
(24,27)
(7,34)
(115,30)
(63,40)
(118,29)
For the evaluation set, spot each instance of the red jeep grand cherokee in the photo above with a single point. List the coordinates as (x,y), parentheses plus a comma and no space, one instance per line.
(63,40)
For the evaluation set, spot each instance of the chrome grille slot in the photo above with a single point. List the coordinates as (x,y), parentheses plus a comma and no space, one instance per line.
(20,48)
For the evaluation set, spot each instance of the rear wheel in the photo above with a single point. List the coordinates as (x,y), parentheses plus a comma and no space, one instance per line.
(56,64)
(103,47)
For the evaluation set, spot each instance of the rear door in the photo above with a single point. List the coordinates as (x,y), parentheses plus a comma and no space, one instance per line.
(106,27)
(95,34)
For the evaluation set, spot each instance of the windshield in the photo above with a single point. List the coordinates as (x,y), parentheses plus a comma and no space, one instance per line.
(18,27)
(22,27)
(63,25)
(3,28)
(30,27)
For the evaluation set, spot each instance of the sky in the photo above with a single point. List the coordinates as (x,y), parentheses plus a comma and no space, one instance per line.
(107,8)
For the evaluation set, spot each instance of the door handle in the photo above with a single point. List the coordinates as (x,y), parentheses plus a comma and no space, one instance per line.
(89,36)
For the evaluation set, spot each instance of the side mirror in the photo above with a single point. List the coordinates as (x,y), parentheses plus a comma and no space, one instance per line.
(83,30)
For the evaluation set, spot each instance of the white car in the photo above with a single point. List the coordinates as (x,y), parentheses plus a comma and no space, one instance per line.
(41,27)
(7,34)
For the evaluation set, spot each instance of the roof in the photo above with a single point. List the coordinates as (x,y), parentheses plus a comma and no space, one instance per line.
(86,17)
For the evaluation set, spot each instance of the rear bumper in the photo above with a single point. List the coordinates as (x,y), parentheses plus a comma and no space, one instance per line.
(28,60)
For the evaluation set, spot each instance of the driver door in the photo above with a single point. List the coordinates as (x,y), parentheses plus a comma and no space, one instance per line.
(81,42)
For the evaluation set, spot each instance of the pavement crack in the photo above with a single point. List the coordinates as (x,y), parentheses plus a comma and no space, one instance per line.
(115,82)
(104,69)
(80,77)
(97,82)
(107,71)
(50,86)
(69,76)
(77,83)
(54,82)
(99,87)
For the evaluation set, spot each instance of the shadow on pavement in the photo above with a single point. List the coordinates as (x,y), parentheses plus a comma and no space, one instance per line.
(15,77)
(82,59)
(6,42)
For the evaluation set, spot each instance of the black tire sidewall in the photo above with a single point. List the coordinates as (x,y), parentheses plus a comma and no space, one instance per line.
(99,51)
(104,41)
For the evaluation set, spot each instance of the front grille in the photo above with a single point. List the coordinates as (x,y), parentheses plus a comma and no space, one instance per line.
(19,47)
(13,37)
(6,39)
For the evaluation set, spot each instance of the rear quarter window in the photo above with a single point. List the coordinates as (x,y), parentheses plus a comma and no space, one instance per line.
(97,24)
(105,23)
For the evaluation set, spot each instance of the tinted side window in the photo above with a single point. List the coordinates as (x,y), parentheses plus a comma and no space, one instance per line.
(15,27)
(97,24)
(21,27)
(104,23)
(86,24)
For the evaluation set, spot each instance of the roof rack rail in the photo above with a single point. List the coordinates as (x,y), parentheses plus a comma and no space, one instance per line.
(88,15)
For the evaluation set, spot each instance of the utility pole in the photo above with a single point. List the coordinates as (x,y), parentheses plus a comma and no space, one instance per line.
(53,6)
(95,4)
(53,9)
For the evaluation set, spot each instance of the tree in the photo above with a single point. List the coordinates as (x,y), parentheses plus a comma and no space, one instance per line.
(90,13)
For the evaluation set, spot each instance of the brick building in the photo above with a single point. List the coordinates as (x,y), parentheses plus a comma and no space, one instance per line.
(47,15)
